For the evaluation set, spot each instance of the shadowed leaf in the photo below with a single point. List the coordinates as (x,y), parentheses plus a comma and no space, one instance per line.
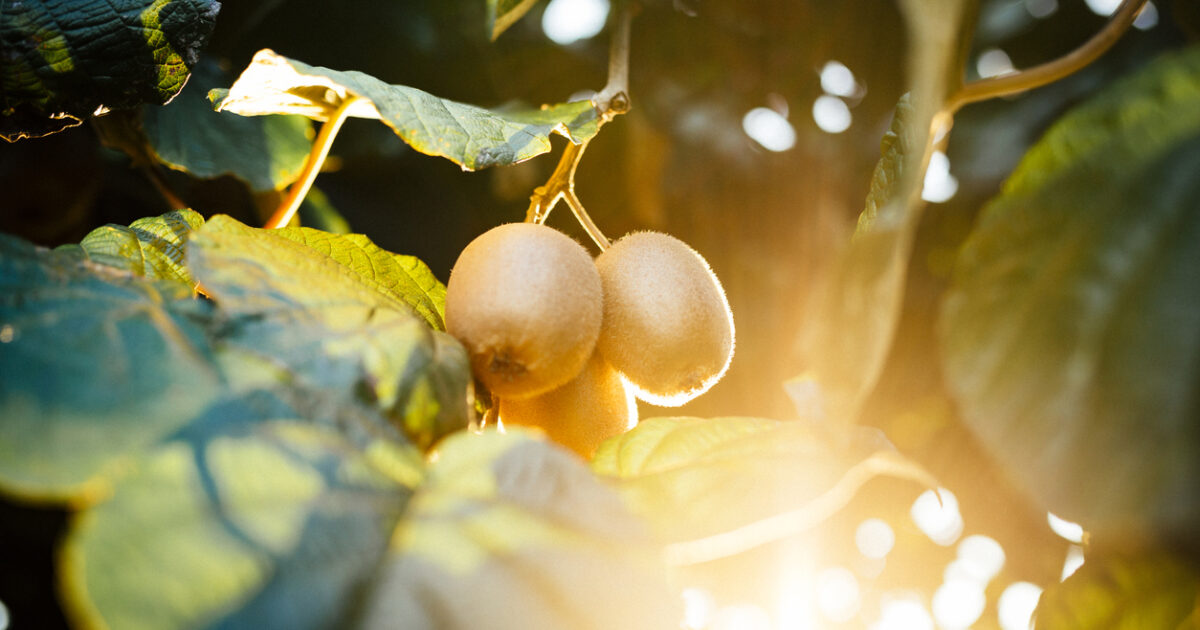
(1151,590)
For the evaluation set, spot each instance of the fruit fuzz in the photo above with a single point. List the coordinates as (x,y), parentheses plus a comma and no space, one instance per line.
(667,325)
(526,302)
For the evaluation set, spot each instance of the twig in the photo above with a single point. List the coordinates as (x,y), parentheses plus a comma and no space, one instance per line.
(316,157)
(586,221)
(1052,71)
(613,99)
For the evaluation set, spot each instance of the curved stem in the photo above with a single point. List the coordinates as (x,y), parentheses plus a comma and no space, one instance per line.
(1052,71)
(585,220)
(320,150)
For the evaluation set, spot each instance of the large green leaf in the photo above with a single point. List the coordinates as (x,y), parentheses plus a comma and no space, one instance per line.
(266,152)
(63,61)
(94,364)
(715,487)
(1071,336)
(152,247)
(502,14)
(342,315)
(510,532)
(1121,592)
(254,516)
(471,136)
(850,334)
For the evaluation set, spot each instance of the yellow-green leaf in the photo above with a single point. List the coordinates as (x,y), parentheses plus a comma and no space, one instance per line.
(152,247)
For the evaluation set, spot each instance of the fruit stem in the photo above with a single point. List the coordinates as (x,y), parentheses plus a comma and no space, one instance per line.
(1051,71)
(585,220)
(316,157)
(561,186)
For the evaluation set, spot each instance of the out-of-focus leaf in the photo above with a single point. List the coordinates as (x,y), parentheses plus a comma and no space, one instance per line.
(254,516)
(470,136)
(1152,590)
(850,334)
(509,532)
(266,152)
(718,486)
(342,315)
(94,364)
(1071,336)
(502,14)
(63,61)
(318,213)
(152,247)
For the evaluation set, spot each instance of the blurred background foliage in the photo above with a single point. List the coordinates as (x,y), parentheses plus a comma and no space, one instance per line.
(770,223)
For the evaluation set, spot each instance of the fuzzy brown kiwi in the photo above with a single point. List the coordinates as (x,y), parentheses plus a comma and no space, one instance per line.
(667,325)
(588,409)
(525,300)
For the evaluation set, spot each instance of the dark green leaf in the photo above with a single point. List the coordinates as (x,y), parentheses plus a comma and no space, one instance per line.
(504,13)
(152,247)
(318,213)
(720,486)
(1071,336)
(95,364)
(63,61)
(266,152)
(508,532)
(855,318)
(252,517)
(341,314)
(1118,592)
(471,136)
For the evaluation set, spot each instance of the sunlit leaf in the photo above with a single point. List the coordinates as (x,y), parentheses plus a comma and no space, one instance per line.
(1071,336)
(65,60)
(94,364)
(471,136)
(850,334)
(266,152)
(502,14)
(252,517)
(719,486)
(509,532)
(341,314)
(1152,590)
(152,247)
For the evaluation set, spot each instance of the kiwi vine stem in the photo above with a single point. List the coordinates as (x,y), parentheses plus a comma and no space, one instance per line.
(316,157)
(1051,71)
(611,101)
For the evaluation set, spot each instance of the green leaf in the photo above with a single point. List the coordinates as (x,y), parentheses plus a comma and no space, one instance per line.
(266,152)
(97,364)
(252,517)
(470,136)
(342,315)
(66,60)
(509,532)
(1071,335)
(850,334)
(502,14)
(1112,592)
(152,247)
(719,486)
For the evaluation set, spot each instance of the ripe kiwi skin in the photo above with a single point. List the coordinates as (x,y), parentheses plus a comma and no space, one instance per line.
(525,300)
(580,415)
(667,325)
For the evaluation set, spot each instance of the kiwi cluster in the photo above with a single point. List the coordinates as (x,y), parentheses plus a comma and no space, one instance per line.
(566,342)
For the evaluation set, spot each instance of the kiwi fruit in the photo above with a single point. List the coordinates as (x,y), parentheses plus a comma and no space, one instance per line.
(667,325)
(589,409)
(525,300)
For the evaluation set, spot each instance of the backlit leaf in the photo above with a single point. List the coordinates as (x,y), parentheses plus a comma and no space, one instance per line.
(504,13)
(719,486)
(266,152)
(508,532)
(152,247)
(471,136)
(1071,336)
(342,315)
(63,61)
(1116,591)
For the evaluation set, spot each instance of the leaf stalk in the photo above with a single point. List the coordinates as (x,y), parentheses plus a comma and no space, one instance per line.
(316,157)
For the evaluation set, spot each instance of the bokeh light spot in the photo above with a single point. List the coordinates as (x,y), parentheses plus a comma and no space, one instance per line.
(741,617)
(1147,18)
(982,557)
(1071,531)
(769,129)
(568,21)
(994,62)
(1016,605)
(831,114)
(940,185)
(1103,7)
(1041,9)
(838,594)
(836,79)
(874,538)
(698,608)
(1073,562)
(903,614)
(958,604)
